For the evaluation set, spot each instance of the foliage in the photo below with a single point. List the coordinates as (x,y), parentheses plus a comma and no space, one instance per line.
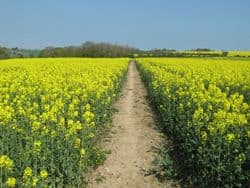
(104,49)
(23,53)
(90,49)
(185,53)
(4,53)
(204,104)
(50,111)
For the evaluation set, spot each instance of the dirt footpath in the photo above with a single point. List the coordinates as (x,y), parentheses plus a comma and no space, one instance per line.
(132,141)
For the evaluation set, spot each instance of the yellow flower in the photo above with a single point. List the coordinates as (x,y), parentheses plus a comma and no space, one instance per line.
(92,124)
(180,106)
(37,147)
(77,143)
(242,119)
(82,152)
(6,162)
(43,174)
(226,105)
(88,116)
(210,107)
(27,173)
(62,121)
(70,122)
(53,134)
(91,135)
(197,114)
(230,137)
(11,182)
(35,126)
(75,113)
(203,136)
(87,107)
(34,181)
(241,157)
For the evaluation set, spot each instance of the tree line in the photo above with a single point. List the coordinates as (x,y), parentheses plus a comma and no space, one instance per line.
(90,49)
(102,49)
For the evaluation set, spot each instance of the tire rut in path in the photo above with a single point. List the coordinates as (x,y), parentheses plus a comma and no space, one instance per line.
(132,142)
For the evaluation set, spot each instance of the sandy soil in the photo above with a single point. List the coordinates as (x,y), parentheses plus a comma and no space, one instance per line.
(132,142)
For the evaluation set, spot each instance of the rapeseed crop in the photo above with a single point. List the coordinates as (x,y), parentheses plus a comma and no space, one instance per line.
(50,110)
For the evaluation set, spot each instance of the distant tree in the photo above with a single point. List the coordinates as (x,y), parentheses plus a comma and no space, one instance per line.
(4,53)
(90,49)
(203,49)
(224,53)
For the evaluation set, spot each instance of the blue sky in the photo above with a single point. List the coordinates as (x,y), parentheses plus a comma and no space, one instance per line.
(146,24)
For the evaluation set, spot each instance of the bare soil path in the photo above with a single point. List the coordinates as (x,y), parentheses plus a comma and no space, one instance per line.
(132,142)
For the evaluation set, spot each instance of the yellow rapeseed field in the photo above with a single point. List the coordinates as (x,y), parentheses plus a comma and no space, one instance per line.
(49,112)
(239,53)
(204,106)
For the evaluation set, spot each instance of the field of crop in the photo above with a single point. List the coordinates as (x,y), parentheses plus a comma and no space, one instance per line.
(239,54)
(204,106)
(50,110)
